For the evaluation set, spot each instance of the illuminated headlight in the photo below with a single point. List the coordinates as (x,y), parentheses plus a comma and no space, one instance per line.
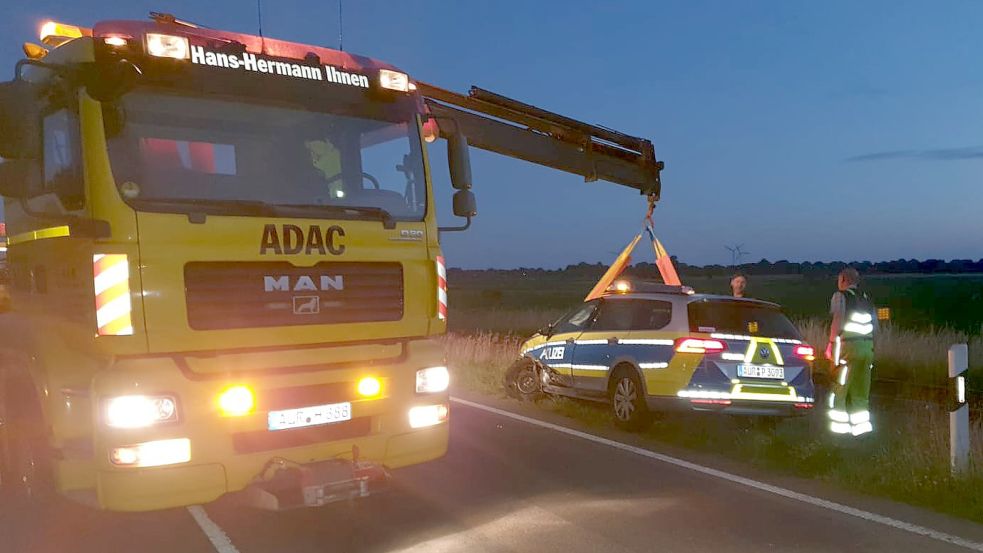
(153,454)
(168,46)
(140,411)
(394,80)
(423,416)
(432,380)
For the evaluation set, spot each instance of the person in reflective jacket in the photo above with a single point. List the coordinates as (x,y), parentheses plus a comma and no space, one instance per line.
(851,349)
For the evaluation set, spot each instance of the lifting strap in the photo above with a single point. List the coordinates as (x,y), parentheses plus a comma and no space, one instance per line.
(662,259)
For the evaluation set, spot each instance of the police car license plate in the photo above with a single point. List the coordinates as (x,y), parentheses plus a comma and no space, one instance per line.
(761,371)
(309,416)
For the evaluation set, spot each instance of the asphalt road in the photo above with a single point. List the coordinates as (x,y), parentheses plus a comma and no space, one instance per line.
(505,485)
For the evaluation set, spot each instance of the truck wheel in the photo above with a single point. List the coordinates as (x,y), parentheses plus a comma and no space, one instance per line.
(628,401)
(522,380)
(25,464)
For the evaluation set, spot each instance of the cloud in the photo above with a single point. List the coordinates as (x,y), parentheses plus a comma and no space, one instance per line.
(941,154)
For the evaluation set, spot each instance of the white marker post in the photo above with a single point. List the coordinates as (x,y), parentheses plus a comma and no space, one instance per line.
(958,409)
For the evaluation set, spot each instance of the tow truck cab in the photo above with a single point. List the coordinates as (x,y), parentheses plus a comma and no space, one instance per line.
(225,265)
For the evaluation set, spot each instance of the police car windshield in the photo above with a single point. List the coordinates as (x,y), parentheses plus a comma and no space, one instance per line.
(177,153)
(741,318)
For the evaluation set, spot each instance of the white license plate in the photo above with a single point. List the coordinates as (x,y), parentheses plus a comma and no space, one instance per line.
(309,416)
(761,371)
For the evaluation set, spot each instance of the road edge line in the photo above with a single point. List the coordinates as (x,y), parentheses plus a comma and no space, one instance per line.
(220,540)
(748,482)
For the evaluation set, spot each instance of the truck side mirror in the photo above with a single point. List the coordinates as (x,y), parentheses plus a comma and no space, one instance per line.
(459,162)
(20,120)
(465,204)
(18,176)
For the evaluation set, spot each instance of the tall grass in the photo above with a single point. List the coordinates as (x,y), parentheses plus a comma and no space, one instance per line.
(906,459)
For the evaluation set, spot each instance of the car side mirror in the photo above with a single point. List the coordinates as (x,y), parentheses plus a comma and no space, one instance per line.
(459,161)
(465,204)
(18,177)
(20,120)
(547,330)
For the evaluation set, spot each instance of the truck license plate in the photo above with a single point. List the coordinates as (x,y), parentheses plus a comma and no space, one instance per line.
(761,371)
(309,416)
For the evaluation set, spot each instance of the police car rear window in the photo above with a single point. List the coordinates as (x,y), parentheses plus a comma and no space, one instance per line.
(742,318)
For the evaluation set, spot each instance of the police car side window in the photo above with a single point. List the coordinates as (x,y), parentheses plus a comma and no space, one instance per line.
(615,315)
(577,321)
(652,315)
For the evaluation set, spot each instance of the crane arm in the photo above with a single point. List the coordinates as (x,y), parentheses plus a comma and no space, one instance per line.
(508,127)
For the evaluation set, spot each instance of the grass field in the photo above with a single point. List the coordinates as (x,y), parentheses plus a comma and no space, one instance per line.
(906,459)
(922,302)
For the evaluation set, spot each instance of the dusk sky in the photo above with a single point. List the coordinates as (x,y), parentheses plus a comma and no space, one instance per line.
(804,130)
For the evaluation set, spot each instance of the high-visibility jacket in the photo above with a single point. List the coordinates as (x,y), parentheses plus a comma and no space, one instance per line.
(859,317)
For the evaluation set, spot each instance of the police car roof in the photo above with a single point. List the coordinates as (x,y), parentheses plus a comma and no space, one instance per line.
(646,295)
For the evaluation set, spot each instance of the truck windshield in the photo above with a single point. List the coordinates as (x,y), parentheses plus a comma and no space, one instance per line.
(181,153)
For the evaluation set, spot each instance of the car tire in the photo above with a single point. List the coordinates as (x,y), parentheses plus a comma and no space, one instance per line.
(522,380)
(628,400)
(26,474)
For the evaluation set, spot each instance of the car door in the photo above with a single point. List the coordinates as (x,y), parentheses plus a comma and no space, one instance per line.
(650,344)
(557,353)
(596,348)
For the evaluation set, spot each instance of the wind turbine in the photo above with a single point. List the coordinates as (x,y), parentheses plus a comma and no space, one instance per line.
(737,254)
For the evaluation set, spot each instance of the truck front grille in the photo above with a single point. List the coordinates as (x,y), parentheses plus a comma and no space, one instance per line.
(226,295)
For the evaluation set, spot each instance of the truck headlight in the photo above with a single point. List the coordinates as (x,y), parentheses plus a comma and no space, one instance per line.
(140,411)
(168,46)
(432,380)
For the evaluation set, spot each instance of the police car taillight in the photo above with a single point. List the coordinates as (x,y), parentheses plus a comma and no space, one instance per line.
(168,46)
(806,352)
(699,345)
(394,80)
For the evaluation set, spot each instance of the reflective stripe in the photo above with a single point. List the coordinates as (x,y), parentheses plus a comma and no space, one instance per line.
(441,288)
(838,416)
(40,234)
(742,337)
(836,351)
(646,342)
(737,393)
(857,328)
(591,342)
(860,417)
(860,317)
(653,365)
(840,427)
(111,283)
(843,373)
(832,399)
(861,428)
(732,356)
(579,367)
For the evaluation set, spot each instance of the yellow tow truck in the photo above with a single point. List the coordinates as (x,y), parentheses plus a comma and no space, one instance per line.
(225,267)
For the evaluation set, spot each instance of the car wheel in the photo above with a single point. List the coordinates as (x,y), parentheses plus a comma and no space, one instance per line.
(522,380)
(628,401)
(26,476)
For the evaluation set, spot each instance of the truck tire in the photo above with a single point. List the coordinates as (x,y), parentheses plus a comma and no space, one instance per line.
(628,400)
(26,476)
(522,380)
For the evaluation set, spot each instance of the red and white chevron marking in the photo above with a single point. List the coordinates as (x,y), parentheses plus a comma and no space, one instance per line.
(441,289)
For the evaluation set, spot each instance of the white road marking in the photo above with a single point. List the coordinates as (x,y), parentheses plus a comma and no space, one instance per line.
(220,540)
(822,503)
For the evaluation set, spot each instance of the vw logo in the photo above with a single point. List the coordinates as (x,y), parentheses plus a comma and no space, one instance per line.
(764,352)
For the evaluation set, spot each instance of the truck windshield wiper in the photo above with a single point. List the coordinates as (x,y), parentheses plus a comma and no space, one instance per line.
(253,207)
(377,212)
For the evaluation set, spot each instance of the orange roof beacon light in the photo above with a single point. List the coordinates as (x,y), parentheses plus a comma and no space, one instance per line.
(55,34)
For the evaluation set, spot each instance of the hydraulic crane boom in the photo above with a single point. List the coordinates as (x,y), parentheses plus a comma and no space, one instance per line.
(505,126)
